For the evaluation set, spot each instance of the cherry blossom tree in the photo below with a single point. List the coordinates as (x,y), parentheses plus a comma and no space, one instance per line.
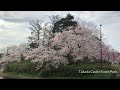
(45,57)
(66,48)
(78,43)
(16,54)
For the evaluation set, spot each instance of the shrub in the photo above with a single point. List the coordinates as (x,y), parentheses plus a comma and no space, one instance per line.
(23,66)
(73,70)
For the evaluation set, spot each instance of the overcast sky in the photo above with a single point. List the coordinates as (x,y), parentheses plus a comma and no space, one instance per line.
(14,25)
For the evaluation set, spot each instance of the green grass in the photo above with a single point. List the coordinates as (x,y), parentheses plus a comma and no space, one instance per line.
(14,75)
(26,70)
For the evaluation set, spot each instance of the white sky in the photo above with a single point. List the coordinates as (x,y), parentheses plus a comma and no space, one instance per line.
(14,25)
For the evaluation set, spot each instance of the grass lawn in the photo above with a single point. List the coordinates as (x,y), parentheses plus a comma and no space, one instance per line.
(13,75)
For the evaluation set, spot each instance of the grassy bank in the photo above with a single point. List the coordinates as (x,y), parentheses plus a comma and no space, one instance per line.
(26,70)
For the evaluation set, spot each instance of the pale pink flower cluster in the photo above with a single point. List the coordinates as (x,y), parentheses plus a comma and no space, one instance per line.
(77,42)
(14,54)
(43,54)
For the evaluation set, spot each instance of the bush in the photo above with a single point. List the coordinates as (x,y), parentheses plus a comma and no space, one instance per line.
(73,71)
(24,66)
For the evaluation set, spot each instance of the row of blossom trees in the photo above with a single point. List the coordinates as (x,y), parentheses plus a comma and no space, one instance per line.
(70,46)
